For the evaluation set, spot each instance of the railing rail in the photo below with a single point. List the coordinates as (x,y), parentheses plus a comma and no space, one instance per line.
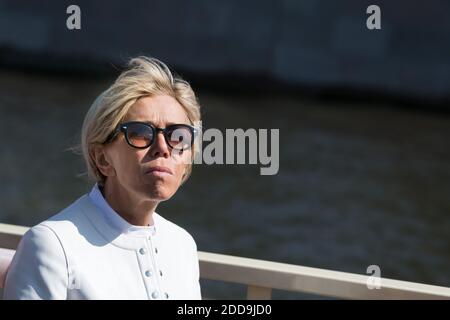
(261,277)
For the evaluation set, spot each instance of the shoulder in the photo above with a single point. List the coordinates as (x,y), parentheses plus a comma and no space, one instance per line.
(73,212)
(40,239)
(173,230)
(68,228)
(39,267)
(47,234)
(71,220)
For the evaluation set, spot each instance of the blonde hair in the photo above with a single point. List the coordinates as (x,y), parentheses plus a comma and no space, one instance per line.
(144,77)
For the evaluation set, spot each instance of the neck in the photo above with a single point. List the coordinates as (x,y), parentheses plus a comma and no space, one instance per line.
(134,210)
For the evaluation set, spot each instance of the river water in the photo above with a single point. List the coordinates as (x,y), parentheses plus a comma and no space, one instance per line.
(359,184)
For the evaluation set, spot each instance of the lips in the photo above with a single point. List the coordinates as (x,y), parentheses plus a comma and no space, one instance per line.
(158,169)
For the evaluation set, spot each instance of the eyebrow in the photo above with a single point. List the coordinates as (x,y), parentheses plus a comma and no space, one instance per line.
(153,124)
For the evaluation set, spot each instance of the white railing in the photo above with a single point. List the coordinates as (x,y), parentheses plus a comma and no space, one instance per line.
(261,277)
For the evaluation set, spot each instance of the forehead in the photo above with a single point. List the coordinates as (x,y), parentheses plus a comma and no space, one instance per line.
(159,110)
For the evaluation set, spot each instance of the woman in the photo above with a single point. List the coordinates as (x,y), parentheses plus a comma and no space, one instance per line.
(137,141)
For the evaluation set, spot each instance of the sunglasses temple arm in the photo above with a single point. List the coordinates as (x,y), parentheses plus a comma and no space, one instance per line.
(112,135)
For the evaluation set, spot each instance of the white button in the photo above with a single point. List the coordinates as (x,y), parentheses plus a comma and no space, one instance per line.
(148,273)
(155,295)
(142,251)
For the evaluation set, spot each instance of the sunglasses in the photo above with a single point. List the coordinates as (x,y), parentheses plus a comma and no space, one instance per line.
(141,135)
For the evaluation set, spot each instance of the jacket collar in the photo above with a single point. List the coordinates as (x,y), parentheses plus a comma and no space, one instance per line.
(114,219)
(110,233)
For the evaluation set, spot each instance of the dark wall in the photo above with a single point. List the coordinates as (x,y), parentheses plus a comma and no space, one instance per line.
(313,43)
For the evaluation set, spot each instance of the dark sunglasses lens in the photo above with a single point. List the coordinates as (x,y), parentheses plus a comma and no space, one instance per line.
(179,137)
(139,135)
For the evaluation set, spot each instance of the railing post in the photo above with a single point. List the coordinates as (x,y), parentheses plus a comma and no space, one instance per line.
(258,293)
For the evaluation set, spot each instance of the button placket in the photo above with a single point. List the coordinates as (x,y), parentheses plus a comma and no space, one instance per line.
(154,248)
(146,266)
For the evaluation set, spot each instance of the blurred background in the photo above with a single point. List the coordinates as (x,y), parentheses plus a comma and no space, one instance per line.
(363,116)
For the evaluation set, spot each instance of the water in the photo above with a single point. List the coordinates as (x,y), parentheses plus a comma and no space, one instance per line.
(358,184)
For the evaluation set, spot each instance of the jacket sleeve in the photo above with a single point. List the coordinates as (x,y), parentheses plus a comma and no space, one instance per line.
(39,268)
(196,293)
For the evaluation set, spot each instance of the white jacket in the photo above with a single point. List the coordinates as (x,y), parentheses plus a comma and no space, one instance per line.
(76,254)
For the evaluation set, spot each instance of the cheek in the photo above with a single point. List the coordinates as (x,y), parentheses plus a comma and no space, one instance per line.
(181,164)
(127,163)
(180,170)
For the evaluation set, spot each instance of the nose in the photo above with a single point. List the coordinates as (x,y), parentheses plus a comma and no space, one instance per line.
(159,147)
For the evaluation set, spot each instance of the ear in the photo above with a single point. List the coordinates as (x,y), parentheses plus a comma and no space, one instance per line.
(102,160)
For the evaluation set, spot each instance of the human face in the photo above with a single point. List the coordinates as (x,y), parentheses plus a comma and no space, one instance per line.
(156,172)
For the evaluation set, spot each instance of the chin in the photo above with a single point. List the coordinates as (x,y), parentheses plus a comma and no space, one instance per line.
(159,193)
(158,189)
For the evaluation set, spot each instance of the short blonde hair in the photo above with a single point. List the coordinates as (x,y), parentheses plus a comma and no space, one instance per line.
(144,77)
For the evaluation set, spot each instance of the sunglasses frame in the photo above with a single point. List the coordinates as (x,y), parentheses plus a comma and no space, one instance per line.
(124,126)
